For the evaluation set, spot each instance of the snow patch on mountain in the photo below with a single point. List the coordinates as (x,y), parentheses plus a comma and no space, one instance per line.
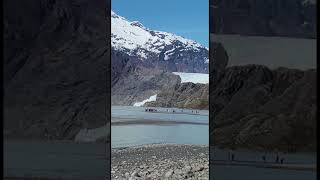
(193,77)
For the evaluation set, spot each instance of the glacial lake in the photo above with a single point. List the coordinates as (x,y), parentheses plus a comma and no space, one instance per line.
(178,127)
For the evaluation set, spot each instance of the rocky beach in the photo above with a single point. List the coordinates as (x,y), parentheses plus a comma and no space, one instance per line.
(160,161)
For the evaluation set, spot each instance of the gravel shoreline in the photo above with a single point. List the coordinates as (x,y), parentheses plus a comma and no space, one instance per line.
(161,161)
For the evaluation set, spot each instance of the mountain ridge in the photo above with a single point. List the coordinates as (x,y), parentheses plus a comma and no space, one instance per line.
(162,49)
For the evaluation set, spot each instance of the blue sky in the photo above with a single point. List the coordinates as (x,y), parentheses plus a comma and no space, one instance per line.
(187,18)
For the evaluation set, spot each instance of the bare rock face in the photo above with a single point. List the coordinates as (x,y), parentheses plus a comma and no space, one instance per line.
(219,59)
(255,107)
(56,67)
(289,18)
(184,95)
(134,81)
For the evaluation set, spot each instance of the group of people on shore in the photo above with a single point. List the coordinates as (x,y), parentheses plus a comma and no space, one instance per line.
(151,110)
(195,112)
(231,157)
(171,110)
(278,159)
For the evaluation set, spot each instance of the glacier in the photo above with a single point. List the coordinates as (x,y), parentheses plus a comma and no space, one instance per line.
(201,78)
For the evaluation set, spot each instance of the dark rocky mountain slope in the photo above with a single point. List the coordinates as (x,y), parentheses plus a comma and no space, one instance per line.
(134,81)
(56,67)
(257,108)
(289,18)
(185,95)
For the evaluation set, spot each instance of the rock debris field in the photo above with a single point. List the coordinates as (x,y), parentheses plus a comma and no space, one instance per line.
(160,162)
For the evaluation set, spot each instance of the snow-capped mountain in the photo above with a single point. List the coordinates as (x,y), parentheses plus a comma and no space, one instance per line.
(162,49)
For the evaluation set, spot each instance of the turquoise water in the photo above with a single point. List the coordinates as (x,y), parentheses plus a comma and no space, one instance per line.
(141,134)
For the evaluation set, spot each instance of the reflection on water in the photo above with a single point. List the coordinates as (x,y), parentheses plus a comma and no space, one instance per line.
(135,135)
